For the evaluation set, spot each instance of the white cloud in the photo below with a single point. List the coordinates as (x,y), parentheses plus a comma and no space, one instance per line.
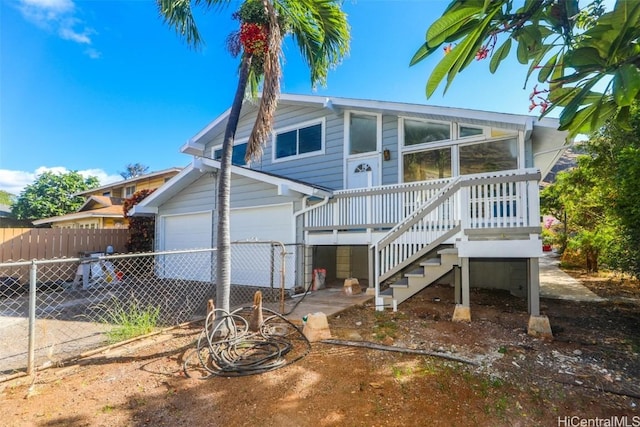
(60,17)
(92,53)
(14,181)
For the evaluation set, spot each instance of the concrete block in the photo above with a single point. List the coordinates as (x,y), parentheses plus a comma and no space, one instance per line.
(351,286)
(461,314)
(540,327)
(317,327)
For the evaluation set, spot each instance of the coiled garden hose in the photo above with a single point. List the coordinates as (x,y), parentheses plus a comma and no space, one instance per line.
(226,347)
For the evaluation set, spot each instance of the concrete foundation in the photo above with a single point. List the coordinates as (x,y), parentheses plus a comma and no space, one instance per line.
(461,314)
(539,326)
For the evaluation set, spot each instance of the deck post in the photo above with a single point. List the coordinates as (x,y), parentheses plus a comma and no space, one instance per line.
(534,287)
(457,288)
(462,312)
(538,326)
(371,288)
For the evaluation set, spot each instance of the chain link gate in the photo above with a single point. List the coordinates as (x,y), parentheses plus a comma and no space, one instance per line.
(56,310)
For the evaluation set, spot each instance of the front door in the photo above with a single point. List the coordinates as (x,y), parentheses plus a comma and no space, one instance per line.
(363,171)
(364,133)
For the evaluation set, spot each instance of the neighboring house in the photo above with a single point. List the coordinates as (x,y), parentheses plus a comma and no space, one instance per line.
(397,195)
(103,205)
(8,221)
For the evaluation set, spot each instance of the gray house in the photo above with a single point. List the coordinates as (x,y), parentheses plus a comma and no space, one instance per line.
(397,195)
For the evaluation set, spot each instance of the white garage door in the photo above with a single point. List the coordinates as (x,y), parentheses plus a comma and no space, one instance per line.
(263,223)
(189,231)
(252,264)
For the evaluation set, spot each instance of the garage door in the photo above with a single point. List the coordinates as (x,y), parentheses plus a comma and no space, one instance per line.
(252,264)
(263,223)
(189,231)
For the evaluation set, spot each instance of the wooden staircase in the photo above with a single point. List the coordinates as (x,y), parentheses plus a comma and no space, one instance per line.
(427,272)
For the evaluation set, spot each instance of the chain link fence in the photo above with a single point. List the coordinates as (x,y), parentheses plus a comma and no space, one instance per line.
(56,310)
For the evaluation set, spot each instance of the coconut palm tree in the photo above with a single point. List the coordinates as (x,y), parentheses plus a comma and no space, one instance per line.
(321,32)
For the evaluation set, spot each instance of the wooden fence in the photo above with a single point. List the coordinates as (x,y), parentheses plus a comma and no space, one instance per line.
(20,244)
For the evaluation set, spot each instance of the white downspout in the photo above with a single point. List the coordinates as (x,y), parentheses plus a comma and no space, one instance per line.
(305,210)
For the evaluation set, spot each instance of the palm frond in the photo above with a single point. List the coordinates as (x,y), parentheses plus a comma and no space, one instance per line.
(321,31)
(178,14)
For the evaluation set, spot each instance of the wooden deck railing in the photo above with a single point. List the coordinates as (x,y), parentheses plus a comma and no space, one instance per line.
(377,207)
(419,216)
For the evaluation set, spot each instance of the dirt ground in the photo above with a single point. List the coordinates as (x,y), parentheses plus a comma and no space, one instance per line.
(589,372)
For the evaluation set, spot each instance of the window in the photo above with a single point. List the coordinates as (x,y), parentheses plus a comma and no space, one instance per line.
(418,132)
(237,155)
(425,165)
(298,142)
(363,133)
(129,191)
(107,194)
(466,131)
(489,156)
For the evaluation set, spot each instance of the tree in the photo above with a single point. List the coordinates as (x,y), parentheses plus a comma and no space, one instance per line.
(570,48)
(134,170)
(52,194)
(599,200)
(6,198)
(321,31)
(141,228)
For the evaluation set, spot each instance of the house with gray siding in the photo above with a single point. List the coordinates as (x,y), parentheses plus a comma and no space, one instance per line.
(397,195)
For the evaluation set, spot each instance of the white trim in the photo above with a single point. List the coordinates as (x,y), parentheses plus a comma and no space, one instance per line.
(322,121)
(193,148)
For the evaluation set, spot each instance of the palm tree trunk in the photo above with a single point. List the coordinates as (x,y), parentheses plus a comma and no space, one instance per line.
(223,258)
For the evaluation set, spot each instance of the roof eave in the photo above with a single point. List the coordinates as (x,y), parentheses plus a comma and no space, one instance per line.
(193,148)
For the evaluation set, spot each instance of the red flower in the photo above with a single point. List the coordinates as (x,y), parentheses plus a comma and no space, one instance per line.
(483,52)
(253,38)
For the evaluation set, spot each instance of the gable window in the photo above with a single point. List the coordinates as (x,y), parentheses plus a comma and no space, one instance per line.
(466,131)
(302,141)
(237,156)
(129,191)
(363,133)
(489,156)
(418,132)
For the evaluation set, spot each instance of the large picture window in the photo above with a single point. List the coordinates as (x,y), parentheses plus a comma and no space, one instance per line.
(489,156)
(426,165)
(418,132)
(305,140)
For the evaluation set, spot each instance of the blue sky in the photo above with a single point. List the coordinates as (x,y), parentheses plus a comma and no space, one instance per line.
(95,85)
